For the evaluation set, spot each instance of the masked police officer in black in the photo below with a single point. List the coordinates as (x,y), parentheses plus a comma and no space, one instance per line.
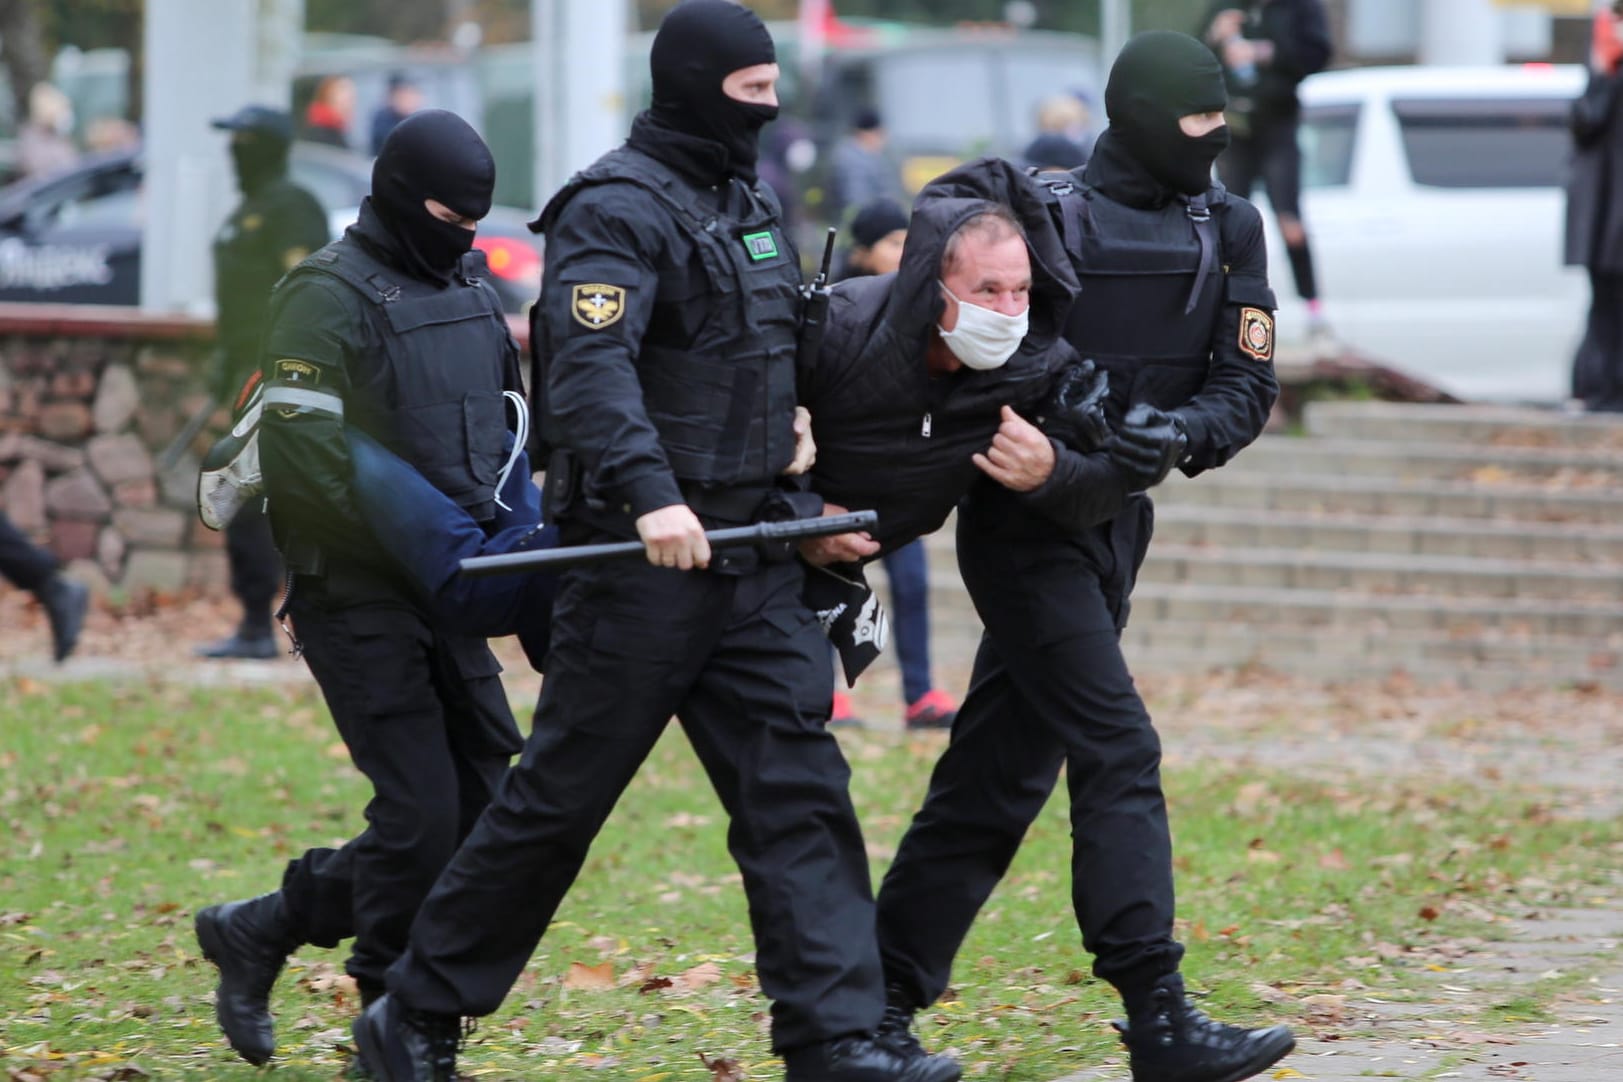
(1175,305)
(668,321)
(389,330)
(275,226)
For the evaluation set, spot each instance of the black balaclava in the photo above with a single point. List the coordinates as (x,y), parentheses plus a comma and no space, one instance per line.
(259,157)
(1159,76)
(699,44)
(432,154)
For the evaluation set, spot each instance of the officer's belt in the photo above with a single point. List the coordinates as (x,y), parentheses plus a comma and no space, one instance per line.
(731,503)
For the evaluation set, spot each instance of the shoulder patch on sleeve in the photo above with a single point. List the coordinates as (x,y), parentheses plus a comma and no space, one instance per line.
(289,370)
(1257,334)
(596,305)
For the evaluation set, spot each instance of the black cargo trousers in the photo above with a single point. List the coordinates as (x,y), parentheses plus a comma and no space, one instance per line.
(425,719)
(743,665)
(1049,688)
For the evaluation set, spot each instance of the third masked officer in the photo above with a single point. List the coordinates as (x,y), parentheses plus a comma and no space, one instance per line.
(667,332)
(1175,306)
(275,226)
(390,331)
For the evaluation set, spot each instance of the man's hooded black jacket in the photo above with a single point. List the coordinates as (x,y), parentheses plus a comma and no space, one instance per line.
(893,438)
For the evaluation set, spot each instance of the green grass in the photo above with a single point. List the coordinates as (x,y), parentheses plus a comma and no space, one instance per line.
(125,808)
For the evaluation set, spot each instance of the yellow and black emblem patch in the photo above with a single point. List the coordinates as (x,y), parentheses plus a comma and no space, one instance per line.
(295,373)
(1257,334)
(293,257)
(596,305)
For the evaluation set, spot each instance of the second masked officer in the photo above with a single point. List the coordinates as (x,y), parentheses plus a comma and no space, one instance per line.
(668,322)
(388,330)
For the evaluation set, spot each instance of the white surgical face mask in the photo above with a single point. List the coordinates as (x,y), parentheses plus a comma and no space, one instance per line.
(984,339)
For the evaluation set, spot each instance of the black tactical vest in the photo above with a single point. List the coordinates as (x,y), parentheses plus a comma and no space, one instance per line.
(724,403)
(1152,291)
(439,402)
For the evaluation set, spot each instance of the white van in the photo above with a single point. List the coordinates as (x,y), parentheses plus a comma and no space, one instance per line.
(1434,203)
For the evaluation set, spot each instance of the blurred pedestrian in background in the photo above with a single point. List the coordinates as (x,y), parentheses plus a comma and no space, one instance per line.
(405,98)
(328,116)
(1065,133)
(107,134)
(787,153)
(45,139)
(1595,216)
(1267,48)
(270,232)
(877,234)
(1053,152)
(862,170)
(28,567)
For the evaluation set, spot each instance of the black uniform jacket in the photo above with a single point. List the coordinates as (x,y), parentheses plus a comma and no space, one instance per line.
(268,234)
(893,438)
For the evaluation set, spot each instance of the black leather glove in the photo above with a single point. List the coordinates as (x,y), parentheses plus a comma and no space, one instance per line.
(1148,444)
(1074,412)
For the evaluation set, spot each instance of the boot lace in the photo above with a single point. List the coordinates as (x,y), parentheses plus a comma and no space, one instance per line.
(896,1031)
(444,1036)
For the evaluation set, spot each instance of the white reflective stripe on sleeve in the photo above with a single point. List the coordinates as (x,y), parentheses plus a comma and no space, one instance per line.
(304,398)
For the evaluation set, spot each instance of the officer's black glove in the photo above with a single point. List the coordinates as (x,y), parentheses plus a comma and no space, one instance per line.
(1147,445)
(1074,413)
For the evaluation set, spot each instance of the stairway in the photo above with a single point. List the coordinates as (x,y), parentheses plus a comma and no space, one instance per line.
(1481,546)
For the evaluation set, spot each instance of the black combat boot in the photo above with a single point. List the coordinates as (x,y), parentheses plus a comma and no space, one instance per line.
(1168,1040)
(398,1044)
(358,1069)
(249,941)
(896,1027)
(864,1059)
(251,640)
(65,602)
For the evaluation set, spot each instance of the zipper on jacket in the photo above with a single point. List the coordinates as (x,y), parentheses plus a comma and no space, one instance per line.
(924,429)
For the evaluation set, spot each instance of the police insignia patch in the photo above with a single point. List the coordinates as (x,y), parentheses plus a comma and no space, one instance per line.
(1257,334)
(289,371)
(595,305)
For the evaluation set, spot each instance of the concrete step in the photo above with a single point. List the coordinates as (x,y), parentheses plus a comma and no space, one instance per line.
(1489,467)
(1381,574)
(1182,524)
(1246,607)
(1235,488)
(1478,426)
(1595,656)
(1338,670)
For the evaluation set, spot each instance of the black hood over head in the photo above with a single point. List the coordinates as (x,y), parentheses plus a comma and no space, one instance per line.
(691,124)
(945,204)
(1159,76)
(432,154)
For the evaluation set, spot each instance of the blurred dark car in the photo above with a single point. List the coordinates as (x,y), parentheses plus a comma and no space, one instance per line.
(75,237)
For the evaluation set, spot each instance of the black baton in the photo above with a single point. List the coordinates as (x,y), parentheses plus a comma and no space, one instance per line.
(557,559)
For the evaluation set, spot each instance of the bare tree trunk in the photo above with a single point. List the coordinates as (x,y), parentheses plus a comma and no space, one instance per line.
(22,48)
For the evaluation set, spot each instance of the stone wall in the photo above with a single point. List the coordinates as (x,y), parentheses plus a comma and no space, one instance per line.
(89,398)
